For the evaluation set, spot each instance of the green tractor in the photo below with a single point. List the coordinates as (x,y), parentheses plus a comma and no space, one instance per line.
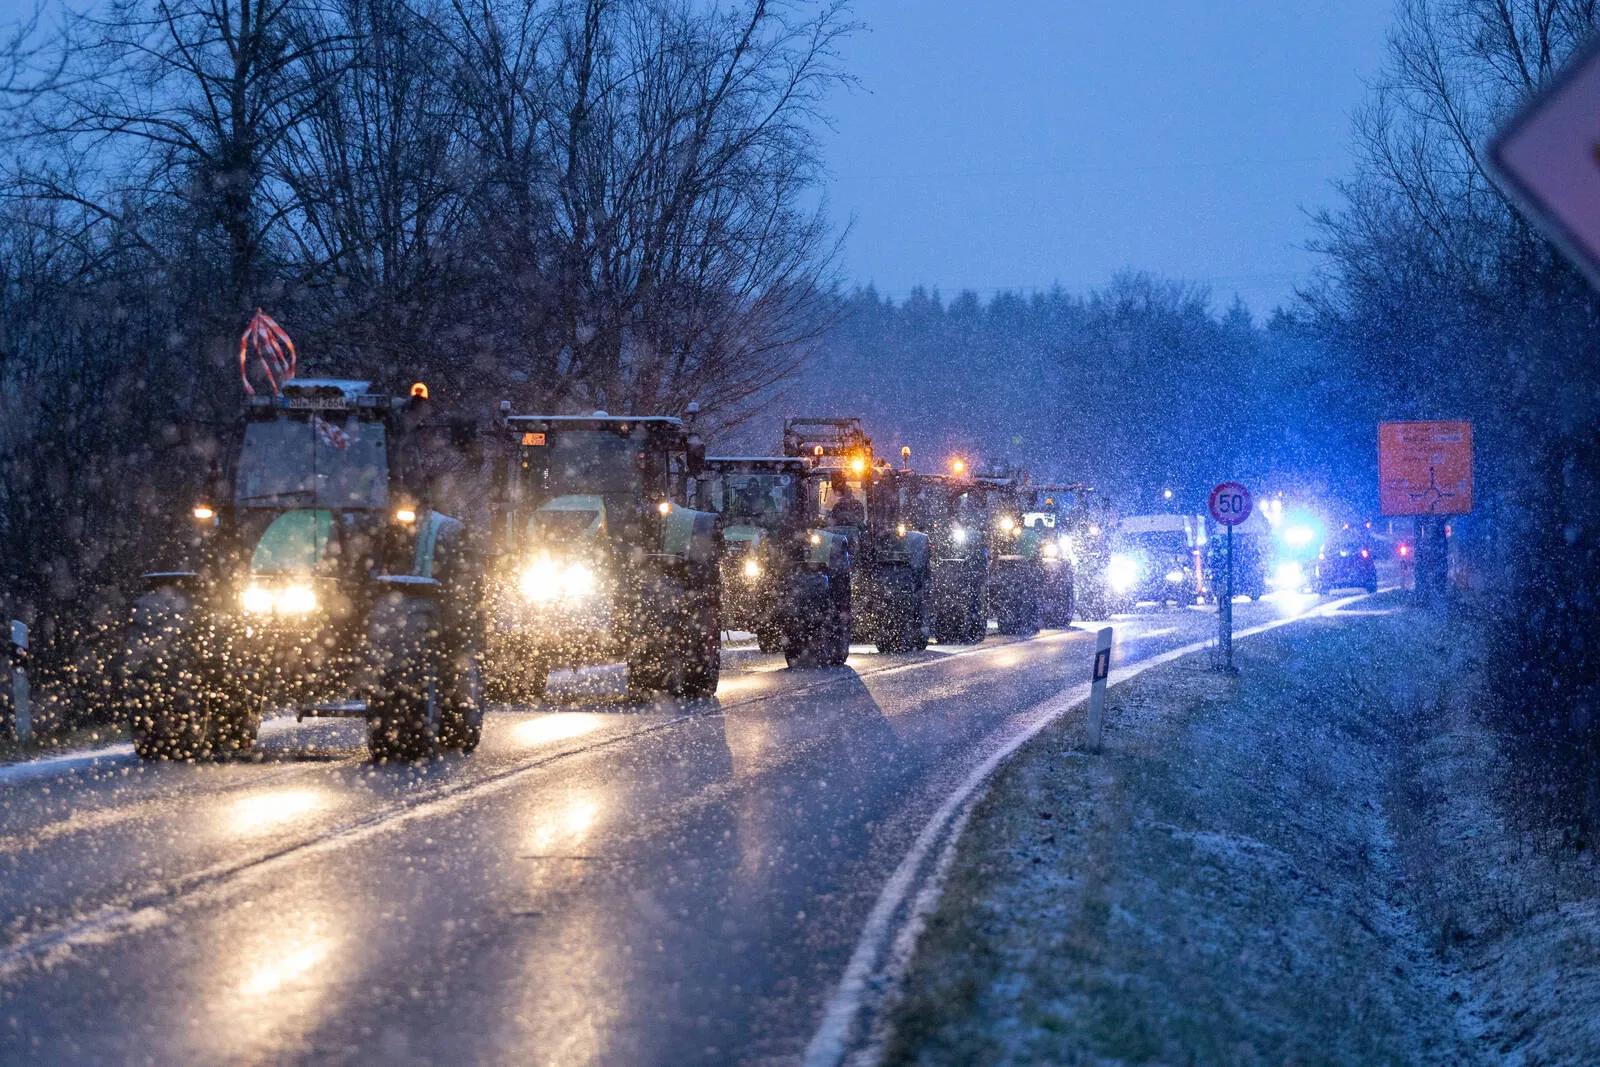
(1050,514)
(784,577)
(954,510)
(322,580)
(869,503)
(1017,572)
(600,558)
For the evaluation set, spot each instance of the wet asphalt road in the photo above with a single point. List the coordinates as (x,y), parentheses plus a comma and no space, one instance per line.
(603,881)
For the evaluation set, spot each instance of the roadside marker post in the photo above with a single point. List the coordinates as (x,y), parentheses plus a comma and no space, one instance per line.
(1097,686)
(1230,505)
(18,717)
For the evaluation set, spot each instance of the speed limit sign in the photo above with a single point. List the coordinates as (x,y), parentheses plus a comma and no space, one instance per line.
(1230,503)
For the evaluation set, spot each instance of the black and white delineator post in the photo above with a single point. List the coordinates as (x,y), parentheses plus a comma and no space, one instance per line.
(1097,686)
(17,717)
(1230,505)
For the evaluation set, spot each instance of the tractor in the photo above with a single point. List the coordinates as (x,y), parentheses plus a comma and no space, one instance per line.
(784,576)
(954,510)
(868,502)
(1053,511)
(1018,593)
(599,557)
(321,580)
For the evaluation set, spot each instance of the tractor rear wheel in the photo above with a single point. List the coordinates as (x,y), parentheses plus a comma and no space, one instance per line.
(406,703)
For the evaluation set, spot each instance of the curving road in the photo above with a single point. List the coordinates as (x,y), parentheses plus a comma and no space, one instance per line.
(673,883)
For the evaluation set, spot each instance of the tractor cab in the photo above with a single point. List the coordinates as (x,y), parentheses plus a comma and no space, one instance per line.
(870,503)
(785,577)
(601,557)
(322,581)
(325,487)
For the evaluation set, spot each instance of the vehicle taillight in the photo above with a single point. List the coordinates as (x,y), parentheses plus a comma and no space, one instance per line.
(1404,550)
(1365,554)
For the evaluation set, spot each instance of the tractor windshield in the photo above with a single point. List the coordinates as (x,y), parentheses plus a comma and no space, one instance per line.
(593,462)
(760,498)
(329,459)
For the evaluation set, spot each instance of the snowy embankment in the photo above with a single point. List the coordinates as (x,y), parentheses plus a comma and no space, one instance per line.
(1318,861)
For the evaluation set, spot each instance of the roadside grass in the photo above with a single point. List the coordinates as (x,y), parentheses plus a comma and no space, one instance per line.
(1223,884)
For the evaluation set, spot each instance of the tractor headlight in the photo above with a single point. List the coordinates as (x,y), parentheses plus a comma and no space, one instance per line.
(1122,573)
(1174,576)
(296,599)
(545,580)
(752,569)
(256,600)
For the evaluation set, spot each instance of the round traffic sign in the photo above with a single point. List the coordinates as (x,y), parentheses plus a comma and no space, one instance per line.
(1230,503)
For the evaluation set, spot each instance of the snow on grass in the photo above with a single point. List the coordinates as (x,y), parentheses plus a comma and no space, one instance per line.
(1306,864)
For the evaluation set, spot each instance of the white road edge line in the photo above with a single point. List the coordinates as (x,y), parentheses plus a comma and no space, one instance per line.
(884,948)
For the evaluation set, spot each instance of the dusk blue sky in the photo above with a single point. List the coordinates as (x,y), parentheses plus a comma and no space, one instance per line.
(1017,144)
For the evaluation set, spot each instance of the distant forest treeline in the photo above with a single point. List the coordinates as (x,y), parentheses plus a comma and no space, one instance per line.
(1139,386)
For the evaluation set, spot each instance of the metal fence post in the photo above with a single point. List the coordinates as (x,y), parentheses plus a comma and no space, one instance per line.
(1097,686)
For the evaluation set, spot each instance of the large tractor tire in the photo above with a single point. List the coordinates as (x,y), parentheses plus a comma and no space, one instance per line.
(461,726)
(825,645)
(411,681)
(769,639)
(1017,606)
(1057,612)
(683,655)
(959,618)
(179,707)
(907,623)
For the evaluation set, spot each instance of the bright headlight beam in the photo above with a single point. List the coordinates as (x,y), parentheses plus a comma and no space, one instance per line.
(257,600)
(1299,535)
(297,600)
(1122,573)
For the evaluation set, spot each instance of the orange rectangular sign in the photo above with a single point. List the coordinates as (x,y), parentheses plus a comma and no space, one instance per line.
(533,440)
(1425,468)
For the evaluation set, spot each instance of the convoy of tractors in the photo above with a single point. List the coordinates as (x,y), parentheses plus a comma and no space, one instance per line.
(325,575)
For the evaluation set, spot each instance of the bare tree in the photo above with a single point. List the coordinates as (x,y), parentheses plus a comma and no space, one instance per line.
(681,148)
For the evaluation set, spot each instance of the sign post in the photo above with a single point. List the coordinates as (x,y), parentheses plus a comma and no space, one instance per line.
(1425,470)
(1097,686)
(1230,505)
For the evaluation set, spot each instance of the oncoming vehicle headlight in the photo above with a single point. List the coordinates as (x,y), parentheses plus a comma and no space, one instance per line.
(1052,550)
(752,569)
(296,599)
(1289,576)
(545,580)
(958,535)
(1122,573)
(1174,576)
